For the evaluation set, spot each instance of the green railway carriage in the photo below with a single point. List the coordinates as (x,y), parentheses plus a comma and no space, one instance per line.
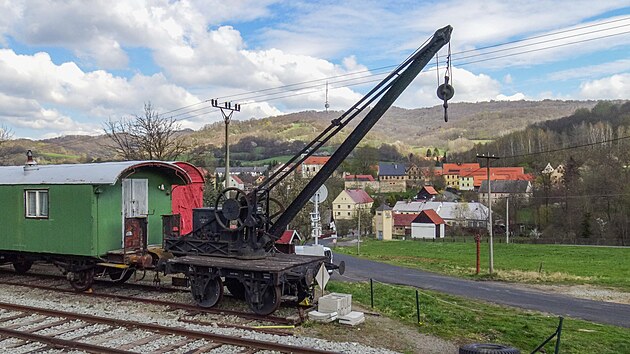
(86,218)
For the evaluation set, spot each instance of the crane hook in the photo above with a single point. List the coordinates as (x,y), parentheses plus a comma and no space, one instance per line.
(445,92)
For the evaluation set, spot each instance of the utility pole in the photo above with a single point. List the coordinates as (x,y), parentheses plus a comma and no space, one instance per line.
(227,117)
(507,219)
(488,158)
(359,231)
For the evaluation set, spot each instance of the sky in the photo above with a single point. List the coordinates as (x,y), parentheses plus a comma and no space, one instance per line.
(68,67)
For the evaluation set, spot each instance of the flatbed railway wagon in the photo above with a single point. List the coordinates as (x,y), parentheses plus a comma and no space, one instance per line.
(232,242)
(90,220)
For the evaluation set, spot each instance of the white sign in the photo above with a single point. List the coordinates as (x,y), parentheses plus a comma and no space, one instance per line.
(322,277)
(320,195)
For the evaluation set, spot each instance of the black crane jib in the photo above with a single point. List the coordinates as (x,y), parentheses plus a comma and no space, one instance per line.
(388,90)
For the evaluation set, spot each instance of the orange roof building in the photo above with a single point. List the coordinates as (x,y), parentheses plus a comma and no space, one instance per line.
(468,176)
(312,165)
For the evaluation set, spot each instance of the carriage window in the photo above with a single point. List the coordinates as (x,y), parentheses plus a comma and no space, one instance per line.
(36,203)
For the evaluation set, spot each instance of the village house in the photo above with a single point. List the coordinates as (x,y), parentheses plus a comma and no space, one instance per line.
(383,222)
(392,177)
(556,175)
(402,225)
(236,181)
(505,189)
(427,193)
(422,174)
(360,182)
(469,215)
(453,171)
(312,164)
(349,201)
(428,224)
(469,176)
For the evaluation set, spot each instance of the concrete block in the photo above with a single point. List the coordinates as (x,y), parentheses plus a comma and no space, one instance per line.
(353,318)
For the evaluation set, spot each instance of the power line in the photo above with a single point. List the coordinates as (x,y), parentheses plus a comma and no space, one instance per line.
(296,86)
(567,148)
(545,35)
(548,41)
(359,83)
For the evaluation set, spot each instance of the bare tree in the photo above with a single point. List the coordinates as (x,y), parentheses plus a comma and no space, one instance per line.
(5,134)
(150,136)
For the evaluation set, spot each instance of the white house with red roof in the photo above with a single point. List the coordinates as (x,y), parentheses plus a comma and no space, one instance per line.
(312,165)
(428,224)
(349,201)
(236,181)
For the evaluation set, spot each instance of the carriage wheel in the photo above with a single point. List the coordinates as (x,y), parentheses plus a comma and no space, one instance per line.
(269,301)
(206,291)
(236,288)
(82,281)
(22,267)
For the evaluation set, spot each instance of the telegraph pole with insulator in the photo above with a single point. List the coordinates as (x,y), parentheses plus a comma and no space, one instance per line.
(227,117)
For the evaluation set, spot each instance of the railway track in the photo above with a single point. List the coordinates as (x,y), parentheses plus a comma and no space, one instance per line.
(26,329)
(144,289)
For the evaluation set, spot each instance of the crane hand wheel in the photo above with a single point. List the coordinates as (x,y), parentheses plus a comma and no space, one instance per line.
(236,209)
(275,209)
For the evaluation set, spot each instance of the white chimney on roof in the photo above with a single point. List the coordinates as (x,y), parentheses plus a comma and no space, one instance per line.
(30,163)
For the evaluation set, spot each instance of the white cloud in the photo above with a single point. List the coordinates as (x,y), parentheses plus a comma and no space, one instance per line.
(477,23)
(515,97)
(610,88)
(468,87)
(94,96)
(590,71)
(27,113)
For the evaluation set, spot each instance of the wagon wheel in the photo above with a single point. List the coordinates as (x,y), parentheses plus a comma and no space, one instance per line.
(82,280)
(206,291)
(233,209)
(236,288)
(120,276)
(269,301)
(22,267)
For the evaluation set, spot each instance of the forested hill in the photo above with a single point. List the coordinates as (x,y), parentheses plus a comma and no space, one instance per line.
(421,127)
(407,129)
(595,137)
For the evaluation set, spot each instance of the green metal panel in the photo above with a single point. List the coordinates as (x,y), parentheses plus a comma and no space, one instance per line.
(108,217)
(67,230)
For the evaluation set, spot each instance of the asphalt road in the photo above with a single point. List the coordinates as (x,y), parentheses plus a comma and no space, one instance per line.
(358,269)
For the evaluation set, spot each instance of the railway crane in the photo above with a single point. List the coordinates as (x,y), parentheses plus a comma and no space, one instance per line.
(232,242)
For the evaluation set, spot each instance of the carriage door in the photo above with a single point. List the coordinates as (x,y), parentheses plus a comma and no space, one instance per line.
(135,195)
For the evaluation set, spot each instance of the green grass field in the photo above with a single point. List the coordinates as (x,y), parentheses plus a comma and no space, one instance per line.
(465,321)
(551,264)
(53,155)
